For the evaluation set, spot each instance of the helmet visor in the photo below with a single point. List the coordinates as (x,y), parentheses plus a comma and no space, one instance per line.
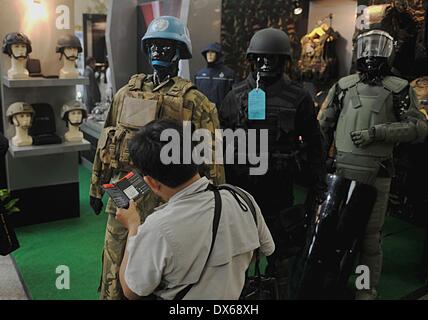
(374,44)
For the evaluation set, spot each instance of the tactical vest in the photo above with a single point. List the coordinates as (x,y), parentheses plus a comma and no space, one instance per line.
(136,108)
(420,87)
(280,122)
(318,59)
(362,107)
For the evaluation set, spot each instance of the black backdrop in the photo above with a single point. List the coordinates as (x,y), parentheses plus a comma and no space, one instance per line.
(242,18)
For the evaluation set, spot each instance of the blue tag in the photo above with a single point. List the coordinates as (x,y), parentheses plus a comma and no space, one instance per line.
(257,105)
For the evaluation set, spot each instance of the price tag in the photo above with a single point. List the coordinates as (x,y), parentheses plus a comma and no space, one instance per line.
(257,105)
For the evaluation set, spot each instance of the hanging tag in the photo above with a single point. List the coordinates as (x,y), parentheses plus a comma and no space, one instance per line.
(257,105)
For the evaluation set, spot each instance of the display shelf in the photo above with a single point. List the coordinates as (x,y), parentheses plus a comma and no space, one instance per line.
(43,82)
(32,151)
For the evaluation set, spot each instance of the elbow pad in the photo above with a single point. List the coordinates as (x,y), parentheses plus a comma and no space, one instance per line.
(401,132)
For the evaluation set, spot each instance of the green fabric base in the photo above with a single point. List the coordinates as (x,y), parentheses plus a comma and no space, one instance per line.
(77,243)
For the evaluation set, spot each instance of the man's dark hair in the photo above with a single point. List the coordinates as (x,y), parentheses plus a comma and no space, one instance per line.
(90,60)
(145,150)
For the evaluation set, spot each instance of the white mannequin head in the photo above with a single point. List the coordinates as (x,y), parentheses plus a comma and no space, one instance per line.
(211,56)
(22,120)
(71,54)
(75,117)
(19,51)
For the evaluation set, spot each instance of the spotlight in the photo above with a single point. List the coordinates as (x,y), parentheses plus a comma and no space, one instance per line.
(297,8)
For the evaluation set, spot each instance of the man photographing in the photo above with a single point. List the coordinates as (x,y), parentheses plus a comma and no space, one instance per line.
(175,248)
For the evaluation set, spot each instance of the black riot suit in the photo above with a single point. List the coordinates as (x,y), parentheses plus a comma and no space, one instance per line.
(291,123)
(215,80)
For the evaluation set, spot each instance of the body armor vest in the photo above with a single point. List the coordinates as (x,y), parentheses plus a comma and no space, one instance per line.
(138,107)
(318,60)
(362,107)
(280,122)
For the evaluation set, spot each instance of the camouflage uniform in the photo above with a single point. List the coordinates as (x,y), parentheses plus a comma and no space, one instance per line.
(173,99)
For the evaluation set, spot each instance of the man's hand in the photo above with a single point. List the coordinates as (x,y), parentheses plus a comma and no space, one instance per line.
(96,205)
(129,218)
(362,138)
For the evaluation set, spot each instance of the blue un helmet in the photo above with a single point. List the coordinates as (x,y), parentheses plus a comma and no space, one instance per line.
(169,28)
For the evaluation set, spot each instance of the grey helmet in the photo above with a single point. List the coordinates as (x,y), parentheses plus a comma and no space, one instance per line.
(68,41)
(72,106)
(270,41)
(18,108)
(15,38)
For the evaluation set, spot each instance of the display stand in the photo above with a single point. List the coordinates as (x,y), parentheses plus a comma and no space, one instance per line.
(45,179)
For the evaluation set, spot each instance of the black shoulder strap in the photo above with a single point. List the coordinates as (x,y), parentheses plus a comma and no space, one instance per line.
(235,190)
(216,222)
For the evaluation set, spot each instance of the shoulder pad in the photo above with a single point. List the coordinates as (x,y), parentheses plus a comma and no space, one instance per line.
(349,81)
(395,84)
(136,81)
(195,95)
(181,87)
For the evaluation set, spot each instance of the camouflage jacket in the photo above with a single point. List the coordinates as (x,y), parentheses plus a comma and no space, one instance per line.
(187,104)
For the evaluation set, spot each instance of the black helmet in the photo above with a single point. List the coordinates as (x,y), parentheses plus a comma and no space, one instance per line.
(68,41)
(16,38)
(270,41)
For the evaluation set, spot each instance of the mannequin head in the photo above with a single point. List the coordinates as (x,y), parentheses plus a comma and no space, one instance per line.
(73,113)
(71,54)
(20,114)
(17,45)
(19,51)
(166,42)
(69,46)
(374,49)
(75,117)
(269,52)
(22,120)
(211,56)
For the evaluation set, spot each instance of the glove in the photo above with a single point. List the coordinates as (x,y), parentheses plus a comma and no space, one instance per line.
(96,205)
(363,138)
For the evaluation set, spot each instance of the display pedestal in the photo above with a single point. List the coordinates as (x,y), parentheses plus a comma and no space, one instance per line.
(45,179)
(46,204)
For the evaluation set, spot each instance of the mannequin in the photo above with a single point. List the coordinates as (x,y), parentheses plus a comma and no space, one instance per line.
(20,115)
(18,61)
(69,47)
(69,70)
(211,56)
(17,46)
(215,80)
(22,123)
(73,113)
(74,134)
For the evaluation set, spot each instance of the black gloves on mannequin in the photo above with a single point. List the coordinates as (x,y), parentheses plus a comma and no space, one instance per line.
(96,205)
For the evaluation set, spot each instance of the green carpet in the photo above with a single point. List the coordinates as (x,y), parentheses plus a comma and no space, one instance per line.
(77,243)
(403,245)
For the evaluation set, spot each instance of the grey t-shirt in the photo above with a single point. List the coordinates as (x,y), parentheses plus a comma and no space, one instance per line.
(171,247)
